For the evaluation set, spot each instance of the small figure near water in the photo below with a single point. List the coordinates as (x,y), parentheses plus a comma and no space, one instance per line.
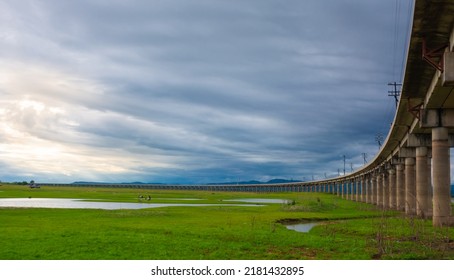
(33,185)
(141,197)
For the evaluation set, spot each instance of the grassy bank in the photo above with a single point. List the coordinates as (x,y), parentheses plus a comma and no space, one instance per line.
(348,230)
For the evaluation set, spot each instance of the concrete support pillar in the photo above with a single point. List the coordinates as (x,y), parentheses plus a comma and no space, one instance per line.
(374,189)
(363,189)
(347,190)
(380,190)
(410,186)
(392,188)
(368,190)
(441,177)
(400,186)
(357,189)
(385,187)
(422,183)
(429,179)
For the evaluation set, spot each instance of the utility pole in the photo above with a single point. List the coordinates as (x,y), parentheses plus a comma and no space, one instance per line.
(395,93)
(344,164)
(351,166)
(364,157)
(379,139)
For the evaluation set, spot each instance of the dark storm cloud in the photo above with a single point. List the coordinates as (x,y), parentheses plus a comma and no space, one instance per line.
(196,91)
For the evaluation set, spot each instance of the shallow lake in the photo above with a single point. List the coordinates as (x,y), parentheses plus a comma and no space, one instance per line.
(259,200)
(82,204)
(303,227)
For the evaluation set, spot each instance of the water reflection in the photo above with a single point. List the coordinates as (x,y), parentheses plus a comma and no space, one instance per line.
(260,200)
(303,227)
(81,204)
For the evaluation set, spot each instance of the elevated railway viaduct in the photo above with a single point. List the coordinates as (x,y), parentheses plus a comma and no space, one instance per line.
(411,172)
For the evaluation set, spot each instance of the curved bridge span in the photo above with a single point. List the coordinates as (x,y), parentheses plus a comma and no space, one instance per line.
(411,172)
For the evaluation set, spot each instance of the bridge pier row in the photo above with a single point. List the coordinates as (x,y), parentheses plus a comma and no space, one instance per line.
(392,188)
(400,187)
(441,177)
(410,186)
(385,189)
(422,186)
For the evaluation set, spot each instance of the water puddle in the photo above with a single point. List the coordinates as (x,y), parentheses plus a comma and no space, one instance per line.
(161,198)
(82,204)
(260,200)
(303,227)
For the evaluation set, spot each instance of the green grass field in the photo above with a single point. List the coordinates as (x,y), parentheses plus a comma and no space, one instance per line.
(349,230)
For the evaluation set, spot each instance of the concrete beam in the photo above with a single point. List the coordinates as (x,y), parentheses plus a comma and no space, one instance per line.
(447,78)
(397,161)
(432,118)
(407,153)
(419,140)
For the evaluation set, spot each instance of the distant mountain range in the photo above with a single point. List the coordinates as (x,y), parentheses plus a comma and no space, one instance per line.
(252,182)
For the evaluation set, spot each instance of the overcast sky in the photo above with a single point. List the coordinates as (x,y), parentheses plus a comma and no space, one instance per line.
(199,91)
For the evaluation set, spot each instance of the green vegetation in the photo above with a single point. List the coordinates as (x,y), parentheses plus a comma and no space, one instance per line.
(348,230)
